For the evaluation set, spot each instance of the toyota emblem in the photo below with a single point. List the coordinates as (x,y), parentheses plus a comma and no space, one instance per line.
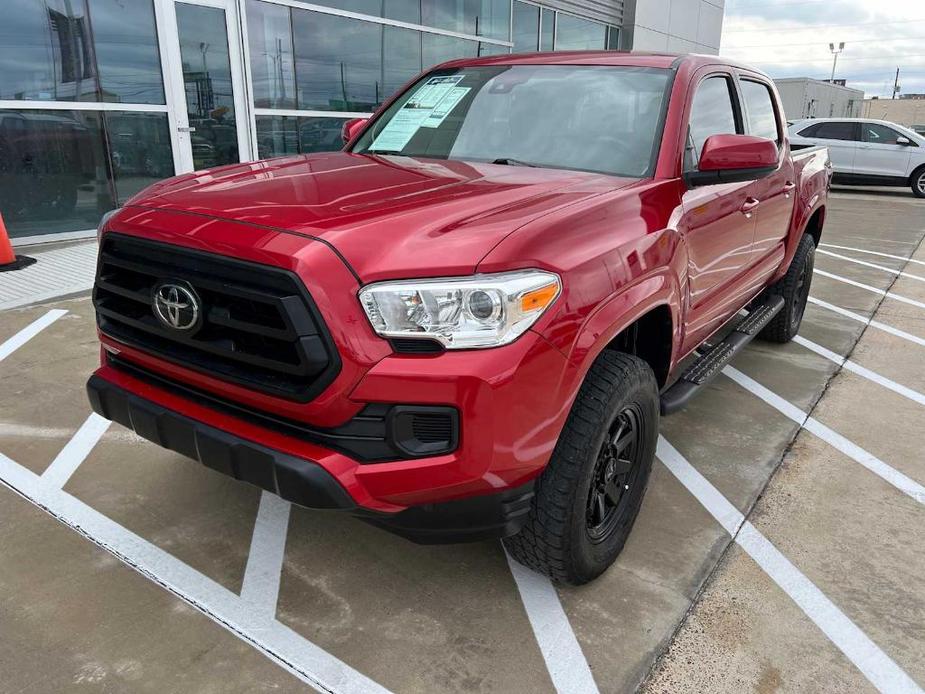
(176,305)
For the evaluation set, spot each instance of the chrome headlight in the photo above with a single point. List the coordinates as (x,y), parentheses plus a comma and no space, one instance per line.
(461,313)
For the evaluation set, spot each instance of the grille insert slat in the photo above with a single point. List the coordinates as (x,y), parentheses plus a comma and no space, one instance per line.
(259,326)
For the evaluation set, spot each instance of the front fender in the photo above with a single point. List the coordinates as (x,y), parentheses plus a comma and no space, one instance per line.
(623,309)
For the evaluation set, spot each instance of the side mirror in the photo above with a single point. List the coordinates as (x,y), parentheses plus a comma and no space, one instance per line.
(352,128)
(903,141)
(733,159)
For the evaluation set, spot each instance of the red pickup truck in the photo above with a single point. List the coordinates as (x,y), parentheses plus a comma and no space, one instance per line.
(467,323)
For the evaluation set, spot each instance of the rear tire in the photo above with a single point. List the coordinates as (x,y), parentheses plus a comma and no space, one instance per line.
(794,287)
(918,182)
(589,495)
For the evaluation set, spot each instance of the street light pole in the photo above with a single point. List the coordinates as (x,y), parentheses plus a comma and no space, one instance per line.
(835,52)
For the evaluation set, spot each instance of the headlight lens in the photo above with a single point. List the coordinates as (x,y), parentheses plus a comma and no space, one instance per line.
(463,313)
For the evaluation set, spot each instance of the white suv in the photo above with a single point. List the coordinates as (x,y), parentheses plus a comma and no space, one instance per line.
(867,152)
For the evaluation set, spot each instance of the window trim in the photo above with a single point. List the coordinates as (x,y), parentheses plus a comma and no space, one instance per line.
(737,113)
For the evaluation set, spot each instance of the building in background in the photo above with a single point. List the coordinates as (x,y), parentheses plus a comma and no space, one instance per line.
(804,97)
(678,26)
(100,98)
(908,111)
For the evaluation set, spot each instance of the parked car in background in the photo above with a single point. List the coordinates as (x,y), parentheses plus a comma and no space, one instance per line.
(867,152)
(468,322)
(919,128)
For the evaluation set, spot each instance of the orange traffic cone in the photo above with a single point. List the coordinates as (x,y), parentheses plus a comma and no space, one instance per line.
(8,259)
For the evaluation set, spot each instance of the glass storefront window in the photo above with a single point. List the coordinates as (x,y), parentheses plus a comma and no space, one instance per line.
(127,55)
(61,170)
(338,62)
(139,150)
(613,38)
(402,10)
(576,34)
(401,52)
(547,30)
(207,83)
(526,28)
(489,18)
(279,135)
(63,50)
(439,49)
(270,47)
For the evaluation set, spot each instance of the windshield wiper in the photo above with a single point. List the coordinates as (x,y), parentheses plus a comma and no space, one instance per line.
(514,162)
(383,151)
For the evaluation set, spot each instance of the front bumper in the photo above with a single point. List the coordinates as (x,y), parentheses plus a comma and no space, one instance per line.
(305,482)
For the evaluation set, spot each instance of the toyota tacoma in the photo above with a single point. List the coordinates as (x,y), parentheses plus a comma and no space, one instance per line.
(467,323)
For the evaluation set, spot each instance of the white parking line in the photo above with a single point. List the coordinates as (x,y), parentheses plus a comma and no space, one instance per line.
(260,586)
(34,328)
(892,271)
(298,655)
(864,250)
(867,321)
(830,436)
(75,451)
(880,670)
(854,367)
(867,287)
(564,658)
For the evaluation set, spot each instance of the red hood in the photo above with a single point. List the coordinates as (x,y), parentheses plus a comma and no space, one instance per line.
(383,214)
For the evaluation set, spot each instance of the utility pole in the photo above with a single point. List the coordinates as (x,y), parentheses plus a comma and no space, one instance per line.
(835,52)
(896,84)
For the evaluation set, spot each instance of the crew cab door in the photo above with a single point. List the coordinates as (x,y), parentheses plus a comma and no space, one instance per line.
(880,155)
(718,221)
(775,193)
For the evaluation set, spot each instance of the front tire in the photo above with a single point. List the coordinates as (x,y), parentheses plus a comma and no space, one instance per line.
(918,182)
(794,287)
(589,495)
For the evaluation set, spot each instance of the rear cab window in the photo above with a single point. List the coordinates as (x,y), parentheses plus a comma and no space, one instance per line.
(714,111)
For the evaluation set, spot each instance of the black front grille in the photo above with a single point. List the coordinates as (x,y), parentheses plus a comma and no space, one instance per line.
(259,326)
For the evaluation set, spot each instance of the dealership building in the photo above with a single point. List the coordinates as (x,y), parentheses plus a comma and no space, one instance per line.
(100,98)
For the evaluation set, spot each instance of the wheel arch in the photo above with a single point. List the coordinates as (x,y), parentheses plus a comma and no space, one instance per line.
(815,223)
(916,172)
(642,319)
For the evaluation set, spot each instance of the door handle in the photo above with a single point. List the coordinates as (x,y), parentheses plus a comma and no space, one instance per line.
(788,188)
(749,206)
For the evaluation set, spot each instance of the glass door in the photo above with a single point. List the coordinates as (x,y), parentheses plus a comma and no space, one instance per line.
(213,129)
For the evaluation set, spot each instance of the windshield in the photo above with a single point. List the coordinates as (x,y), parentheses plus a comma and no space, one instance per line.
(589,118)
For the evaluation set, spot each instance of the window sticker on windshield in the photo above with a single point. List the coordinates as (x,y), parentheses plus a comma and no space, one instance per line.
(444,106)
(399,130)
(422,106)
(432,91)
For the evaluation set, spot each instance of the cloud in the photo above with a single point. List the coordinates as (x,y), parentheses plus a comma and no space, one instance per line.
(790,38)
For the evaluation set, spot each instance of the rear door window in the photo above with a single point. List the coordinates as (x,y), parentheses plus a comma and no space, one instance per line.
(759,104)
(837,130)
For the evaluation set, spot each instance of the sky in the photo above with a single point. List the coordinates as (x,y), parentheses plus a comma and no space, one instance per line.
(790,38)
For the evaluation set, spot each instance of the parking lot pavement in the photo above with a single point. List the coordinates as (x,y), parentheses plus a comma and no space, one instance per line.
(848,530)
(743,571)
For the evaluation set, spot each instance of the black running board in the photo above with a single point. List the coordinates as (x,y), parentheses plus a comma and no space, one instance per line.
(710,363)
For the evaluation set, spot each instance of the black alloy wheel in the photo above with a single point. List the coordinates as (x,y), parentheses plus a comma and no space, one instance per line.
(614,475)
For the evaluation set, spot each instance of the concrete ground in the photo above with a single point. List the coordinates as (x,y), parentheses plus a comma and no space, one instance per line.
(127,568)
